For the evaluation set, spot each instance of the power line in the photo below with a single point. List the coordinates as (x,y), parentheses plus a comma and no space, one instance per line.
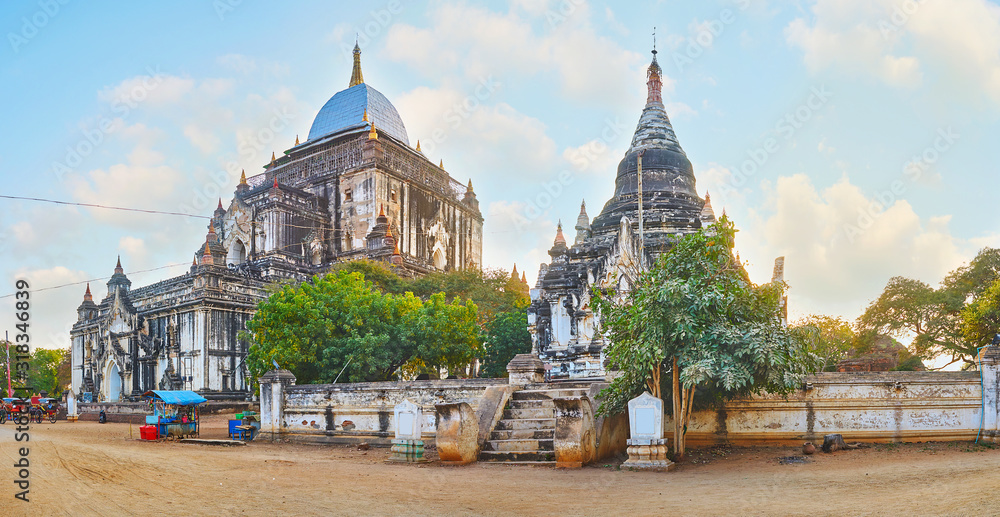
(90,205)
(95,279)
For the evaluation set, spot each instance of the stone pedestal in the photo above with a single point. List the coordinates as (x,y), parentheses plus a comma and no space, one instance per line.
(272,401)
(647,449)
(648,455)
(407,451)
(574,440)
(408,447)
(457,436)
(525,369)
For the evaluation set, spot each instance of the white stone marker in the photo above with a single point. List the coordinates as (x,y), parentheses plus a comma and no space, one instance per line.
(647,449)
(408,445)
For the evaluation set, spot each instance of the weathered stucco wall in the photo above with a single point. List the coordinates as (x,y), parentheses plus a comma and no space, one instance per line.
(317,412)
(863,406)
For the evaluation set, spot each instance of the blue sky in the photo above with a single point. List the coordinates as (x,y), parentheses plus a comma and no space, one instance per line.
(856,138)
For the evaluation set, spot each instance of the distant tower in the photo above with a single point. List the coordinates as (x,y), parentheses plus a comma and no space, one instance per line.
(582,224)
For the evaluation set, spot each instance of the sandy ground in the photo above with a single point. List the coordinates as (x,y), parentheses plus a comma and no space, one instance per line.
(86,468)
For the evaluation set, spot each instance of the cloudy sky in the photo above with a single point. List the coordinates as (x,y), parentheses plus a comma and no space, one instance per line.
(851,136)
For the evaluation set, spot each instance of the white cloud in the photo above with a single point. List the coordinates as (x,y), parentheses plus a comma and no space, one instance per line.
(204,140)
(842,245)
(903,45)
(484,43)
(445,119)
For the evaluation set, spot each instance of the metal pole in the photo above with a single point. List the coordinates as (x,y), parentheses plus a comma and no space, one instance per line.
(642,234)
(6,338)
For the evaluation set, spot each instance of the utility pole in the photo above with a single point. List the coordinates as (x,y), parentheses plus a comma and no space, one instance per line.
(6,338)
(642,235)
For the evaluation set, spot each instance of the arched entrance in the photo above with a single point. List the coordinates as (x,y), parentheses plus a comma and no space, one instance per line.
(439,259)
(113,384)
(237,253)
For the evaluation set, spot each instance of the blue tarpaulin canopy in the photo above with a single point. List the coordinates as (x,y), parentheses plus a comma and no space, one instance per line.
(177,397)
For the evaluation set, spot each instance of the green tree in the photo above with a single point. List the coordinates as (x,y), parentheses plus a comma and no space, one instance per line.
(340,322)
(830,339)
(696,315)
(981,318)
(934,317)
(506,336)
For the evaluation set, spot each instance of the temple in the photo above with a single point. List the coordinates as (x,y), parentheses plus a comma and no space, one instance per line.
(611,251)
(355,189)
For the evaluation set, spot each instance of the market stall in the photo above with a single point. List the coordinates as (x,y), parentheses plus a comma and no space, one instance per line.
(175,413)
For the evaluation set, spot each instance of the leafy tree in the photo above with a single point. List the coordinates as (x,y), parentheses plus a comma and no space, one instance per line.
(506,336)
(830,339)
(696,315)
(48,370)
(341,322)
(377,273)
(981,318)
(934,317)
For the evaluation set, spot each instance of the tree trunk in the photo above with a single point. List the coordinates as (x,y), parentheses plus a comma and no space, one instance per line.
(678,438)
(833,442)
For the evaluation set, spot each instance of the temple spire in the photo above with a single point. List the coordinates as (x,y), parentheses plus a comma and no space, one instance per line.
(118,267)
(653,83)
(356,77)
(243,177)
(87,297)
(560,239)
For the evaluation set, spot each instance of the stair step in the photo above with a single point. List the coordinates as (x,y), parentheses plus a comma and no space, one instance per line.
(519,445)
(515,414)
(547,394)
(523,434)
(518,457)
(510,424)
(532,403)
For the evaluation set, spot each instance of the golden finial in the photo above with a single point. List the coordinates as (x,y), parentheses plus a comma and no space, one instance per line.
(272,158)
(388,231)
(365,116)
(470,185)
(296,139)
(356,77)
(372,135)
(418,146)
(441,165)
(243,177)
(381,210)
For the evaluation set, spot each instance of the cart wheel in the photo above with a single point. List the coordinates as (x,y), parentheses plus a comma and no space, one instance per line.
(3,417)
(52,418)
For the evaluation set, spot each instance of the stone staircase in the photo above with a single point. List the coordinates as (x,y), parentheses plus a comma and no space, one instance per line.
(525,433)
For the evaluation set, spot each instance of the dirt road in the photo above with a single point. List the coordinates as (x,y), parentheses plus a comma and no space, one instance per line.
(85,468)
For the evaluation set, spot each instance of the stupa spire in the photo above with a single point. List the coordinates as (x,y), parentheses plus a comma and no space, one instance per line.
(356,77)
(87,297)
(118,266)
